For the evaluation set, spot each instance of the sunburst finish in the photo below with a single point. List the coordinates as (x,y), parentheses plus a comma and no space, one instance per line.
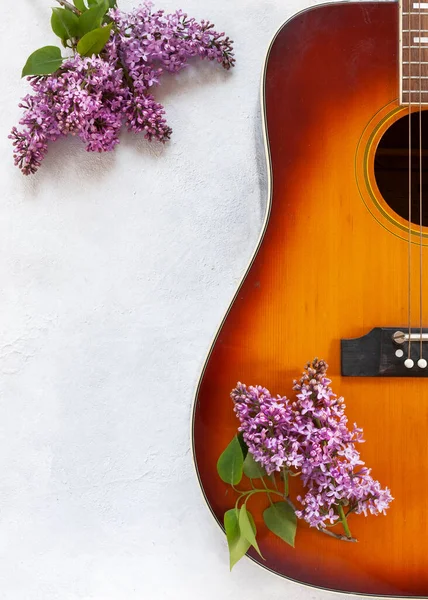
(331,265)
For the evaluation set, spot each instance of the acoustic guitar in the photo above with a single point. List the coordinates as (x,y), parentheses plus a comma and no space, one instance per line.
(340,273)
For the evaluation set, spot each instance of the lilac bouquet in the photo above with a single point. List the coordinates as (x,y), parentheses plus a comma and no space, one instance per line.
(114,60)
(308,437)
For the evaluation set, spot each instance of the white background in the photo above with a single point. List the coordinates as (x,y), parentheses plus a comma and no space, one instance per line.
(115,271)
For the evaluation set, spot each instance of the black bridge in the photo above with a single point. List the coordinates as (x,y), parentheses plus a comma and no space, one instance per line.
(384,352)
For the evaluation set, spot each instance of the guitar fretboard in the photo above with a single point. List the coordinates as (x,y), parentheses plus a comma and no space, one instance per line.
(414,52)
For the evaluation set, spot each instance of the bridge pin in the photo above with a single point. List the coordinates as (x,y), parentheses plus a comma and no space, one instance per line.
(408,363)
(399,353)
(422,363)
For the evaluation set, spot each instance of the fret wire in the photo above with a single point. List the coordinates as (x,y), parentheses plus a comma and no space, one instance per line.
(413,38)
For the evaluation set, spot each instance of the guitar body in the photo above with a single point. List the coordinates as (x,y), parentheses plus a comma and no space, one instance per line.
(332,264)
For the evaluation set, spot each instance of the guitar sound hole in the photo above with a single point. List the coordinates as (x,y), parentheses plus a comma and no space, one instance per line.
(392,167)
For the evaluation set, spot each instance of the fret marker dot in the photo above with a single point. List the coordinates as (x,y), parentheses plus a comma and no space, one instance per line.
(399,353)
(408,363)
(422,363)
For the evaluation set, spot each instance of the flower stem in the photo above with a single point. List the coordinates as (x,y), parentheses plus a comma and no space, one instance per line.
(336,536)
(344,521)
(69,6)
(247,495)
(290,503)
(286,490)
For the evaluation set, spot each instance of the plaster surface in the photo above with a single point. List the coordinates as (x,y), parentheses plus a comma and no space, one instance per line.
(115,272)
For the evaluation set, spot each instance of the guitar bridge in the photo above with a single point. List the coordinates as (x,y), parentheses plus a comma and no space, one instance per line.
(385,352)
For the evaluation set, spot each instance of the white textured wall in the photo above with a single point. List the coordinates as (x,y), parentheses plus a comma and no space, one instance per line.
(115,271)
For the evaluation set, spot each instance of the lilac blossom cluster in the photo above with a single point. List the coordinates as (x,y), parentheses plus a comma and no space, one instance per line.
(265,424)
(311,434)
(332,470)
(91,97)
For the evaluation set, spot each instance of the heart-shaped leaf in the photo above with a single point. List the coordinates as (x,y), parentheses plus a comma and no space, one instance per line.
(230,463)
(64,23)
(43,61)
(237,544)
(253,469)
(92,18)
(94,41)
(247,528)
(281,519)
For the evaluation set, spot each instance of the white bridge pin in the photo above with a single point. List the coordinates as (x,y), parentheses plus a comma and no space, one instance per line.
(422,363)
(399,353)
(408,363)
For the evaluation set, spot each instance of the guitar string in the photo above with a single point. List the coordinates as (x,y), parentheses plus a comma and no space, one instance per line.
(409,250)
(420,187)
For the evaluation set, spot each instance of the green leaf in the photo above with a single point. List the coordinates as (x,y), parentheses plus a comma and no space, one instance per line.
(112,3)
(253,469)
(92,2)
(94,41)
(92,18)
(43,61)
(281,519)
(248,528)
(244,446)
(237,544)
(64,23)
(80,5)
(230,463)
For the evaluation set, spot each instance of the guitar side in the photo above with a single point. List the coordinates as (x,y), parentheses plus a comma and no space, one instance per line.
(327,268)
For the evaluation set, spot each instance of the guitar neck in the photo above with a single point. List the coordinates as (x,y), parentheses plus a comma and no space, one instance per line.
(413,53)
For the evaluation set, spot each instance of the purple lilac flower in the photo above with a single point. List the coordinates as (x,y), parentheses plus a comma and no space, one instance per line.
(145,36)
(332,470)
(92,97)
(143,114)
(311,435)
(85,97)
(265,423)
